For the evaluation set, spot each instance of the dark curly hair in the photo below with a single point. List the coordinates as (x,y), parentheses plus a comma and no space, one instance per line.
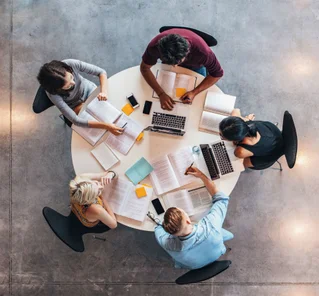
(173,48)
(52,77)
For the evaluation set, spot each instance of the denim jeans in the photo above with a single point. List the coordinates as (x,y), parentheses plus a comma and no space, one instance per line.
(202,70)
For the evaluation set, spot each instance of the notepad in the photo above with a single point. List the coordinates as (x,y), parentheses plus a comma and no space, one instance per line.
(139,171)
(140,192)
(128,109)
(105,156)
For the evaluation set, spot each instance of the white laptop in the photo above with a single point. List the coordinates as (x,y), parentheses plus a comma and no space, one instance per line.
(169,122)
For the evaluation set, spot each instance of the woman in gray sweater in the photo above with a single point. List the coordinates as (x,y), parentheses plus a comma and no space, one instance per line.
(68,90)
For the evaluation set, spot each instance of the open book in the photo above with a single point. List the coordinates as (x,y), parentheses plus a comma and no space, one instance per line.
(122,198)
(96,110)
(169,170)
(191,201)
(217,107)
(174,85)
(124,142)
(105,156)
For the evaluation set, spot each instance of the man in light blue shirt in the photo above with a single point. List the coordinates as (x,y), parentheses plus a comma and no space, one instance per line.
(194,246)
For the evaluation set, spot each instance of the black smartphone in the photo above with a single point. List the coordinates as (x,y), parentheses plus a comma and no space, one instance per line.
(158,206)
(133,101)
(147,107)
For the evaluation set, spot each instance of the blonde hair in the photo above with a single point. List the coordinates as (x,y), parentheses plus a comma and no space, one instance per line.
(82,192)
(173,220)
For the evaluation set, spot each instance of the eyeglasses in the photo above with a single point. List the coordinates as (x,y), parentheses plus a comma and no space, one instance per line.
(153,218)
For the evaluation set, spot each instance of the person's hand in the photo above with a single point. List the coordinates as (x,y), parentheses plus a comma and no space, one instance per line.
(102,96)
(195,172)
(250,117)
(107,179)
(114,129)
(188,97)
(167,103)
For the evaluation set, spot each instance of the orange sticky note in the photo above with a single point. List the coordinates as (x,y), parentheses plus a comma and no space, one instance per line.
(140,136)
(180,91)
(127,109)
(140,192)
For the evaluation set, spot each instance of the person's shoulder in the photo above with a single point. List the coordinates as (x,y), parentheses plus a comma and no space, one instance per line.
(240,152)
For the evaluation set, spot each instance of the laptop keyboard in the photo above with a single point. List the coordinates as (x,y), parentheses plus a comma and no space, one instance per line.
(168,120)
(222,158)
(210,161)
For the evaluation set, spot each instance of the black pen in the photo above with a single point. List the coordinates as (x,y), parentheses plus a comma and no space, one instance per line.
(124,125)
(188,168)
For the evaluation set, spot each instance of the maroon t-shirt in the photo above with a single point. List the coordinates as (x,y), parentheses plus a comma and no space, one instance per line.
(200,54)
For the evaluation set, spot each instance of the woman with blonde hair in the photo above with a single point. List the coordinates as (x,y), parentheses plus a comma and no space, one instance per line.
(87,202)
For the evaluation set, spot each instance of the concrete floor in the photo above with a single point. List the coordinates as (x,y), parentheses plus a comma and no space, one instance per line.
(269,51)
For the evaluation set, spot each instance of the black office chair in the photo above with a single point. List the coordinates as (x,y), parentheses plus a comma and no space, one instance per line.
(204,273)
(42,102)
(210,40)
(69,229)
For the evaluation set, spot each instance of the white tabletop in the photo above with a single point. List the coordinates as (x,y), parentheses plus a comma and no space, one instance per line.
(152,145)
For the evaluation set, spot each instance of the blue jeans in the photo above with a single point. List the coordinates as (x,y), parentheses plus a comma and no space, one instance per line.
(202,70)
(227,235)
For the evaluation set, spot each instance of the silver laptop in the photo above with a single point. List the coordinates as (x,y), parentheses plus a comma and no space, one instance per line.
(169,122)
(215,161)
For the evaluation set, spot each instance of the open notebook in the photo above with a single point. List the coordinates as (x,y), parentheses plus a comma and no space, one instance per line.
(217,107)
(96,110)
(169,170)
(124,142)
(122,198)
(191,201)
(105,156)
(175,85)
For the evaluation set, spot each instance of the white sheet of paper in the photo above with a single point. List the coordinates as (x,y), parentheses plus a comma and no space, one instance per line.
(105,156)
(166,80)
(200,198)
(221,103)
(210,121)
(103,111)
(179,199)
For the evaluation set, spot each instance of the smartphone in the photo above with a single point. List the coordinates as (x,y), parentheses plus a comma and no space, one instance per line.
(133,101)
(147,107)
(158,206)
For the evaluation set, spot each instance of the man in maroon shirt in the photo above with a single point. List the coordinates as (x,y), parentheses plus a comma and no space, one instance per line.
(184,48)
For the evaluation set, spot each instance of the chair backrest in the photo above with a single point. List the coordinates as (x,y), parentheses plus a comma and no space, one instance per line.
(41,101)
(69,229)
(210,40)
(289,135)
(204,273)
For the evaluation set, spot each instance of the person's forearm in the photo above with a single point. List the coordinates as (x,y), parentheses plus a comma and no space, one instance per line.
(103,83)
(94,176)
(206,83)
(108,208)
(210,185)
(97,124)
(151,80)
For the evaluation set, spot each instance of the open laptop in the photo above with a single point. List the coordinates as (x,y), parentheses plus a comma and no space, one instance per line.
(215,161)
(169,122)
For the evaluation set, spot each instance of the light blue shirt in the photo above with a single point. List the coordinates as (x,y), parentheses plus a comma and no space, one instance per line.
(205,244)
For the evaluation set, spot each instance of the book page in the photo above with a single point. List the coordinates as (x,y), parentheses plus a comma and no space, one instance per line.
(134,207)
(184,81)
(116,193)
(105,156)
(179,199)
(124,142)
(180,161)
(163,177)
(166,80)
(92,135)
(200,198)
(220,103)
(210,121)
(103,111)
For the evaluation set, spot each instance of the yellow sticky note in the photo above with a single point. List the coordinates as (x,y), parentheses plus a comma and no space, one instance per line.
(127,109)
(140,136)
(140,192)
(180,91)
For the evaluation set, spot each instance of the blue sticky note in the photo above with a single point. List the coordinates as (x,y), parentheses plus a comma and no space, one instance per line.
(139,171)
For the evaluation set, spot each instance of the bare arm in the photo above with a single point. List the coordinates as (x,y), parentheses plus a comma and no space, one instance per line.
(236,112)
(210,185)
(93,176)
(104,214)
(102,96)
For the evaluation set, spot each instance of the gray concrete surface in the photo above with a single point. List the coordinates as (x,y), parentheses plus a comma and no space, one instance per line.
(270,53)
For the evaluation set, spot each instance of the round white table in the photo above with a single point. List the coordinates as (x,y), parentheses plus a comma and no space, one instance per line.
(152,145)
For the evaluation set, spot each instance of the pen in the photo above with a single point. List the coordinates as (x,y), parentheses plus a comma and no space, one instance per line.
(124,125)
(188,168)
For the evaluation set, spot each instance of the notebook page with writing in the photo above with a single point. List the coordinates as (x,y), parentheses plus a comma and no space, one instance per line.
(163,177)
(104,156)
(134,207)
(180,161)
(116,193)
(200,198)
(166,80)
(179,199)
(220,103)
(92,135)
(124,142)
(210,121)
(103,111)
(184,81)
